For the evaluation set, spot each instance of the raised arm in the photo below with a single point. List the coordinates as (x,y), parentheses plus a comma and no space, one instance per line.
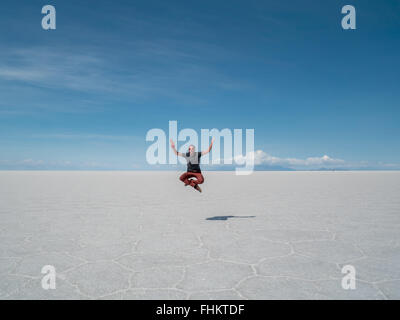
(209,148)
(173,148)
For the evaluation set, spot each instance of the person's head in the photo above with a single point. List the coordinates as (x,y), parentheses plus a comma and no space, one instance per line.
(191,148)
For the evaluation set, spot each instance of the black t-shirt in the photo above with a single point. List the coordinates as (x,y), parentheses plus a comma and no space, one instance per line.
(193,161)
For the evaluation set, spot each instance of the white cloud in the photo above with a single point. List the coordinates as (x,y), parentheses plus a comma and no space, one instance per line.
(262,158)
(31,162)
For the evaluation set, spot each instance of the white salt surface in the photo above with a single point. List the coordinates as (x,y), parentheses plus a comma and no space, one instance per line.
(143,235)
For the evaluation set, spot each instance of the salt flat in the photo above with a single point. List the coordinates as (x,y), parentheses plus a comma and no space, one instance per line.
(143,235)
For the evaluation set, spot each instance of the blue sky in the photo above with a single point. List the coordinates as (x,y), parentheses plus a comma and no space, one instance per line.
(83,96)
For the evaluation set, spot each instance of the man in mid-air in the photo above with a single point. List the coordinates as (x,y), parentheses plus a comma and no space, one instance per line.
(193,176)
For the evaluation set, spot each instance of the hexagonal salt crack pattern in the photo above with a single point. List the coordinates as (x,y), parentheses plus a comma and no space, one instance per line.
(372,270)
(99,278)
(246,250)
(391,289)
(102,237)
(103,252)
(32,265)
(216,295)
(158,277)
(154,294)
(173,242)
(142,261)
(214,275)
(332,289)
(113,296)
(124,243)
(48,244)
(18,250)
(298,267)
(263,288)
(293,235)
(331,251)
(10,284)
(33,290)
(8,265)
(381,251)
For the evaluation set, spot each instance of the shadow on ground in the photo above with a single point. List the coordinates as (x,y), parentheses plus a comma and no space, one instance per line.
(228,217)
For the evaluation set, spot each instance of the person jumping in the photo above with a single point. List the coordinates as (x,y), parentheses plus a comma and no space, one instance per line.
(193,176)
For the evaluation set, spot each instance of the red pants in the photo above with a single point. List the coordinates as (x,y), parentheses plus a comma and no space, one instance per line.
(185,178)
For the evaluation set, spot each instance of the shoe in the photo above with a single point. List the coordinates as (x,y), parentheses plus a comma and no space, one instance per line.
(198,188)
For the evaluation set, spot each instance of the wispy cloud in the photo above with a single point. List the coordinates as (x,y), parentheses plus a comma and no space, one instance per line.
(66,136)
(149,69)
(15,73)
(54,68)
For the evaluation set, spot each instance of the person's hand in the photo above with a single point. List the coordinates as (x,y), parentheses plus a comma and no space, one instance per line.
(212,141)
(172,144)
